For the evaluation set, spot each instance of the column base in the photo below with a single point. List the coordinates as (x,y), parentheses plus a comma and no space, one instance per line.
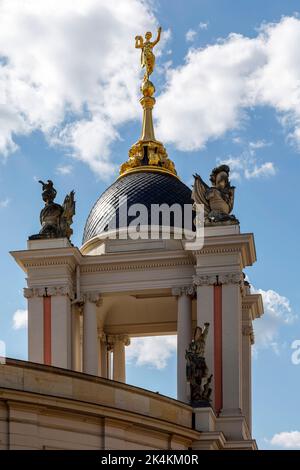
(234,428)
(205,419)
(210,441)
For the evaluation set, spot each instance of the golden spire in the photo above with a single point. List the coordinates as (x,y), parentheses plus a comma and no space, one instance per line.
(148,154)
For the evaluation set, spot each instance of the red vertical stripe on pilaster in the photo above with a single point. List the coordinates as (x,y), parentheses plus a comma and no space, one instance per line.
(47,330)
(218,348)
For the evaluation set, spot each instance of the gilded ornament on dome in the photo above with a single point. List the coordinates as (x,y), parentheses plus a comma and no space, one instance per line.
(148,153)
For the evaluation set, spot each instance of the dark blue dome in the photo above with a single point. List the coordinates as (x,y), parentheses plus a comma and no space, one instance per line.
(143,187)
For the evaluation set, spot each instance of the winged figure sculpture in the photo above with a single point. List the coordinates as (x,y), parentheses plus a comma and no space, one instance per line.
(56,219)
(218,199)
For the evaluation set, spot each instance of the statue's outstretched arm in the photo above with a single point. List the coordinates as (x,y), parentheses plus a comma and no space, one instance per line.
(158,37)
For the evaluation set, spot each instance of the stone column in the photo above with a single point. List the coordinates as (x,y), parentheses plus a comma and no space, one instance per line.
(35,324)
(205,314)
(76,346)
(118,343)
(184,336)
(232,342)
(90,333)
(61,325)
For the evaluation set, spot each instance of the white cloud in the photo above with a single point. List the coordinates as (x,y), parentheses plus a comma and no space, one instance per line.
(190,35)
(266,169)
(20,319)
(287,440)
(70,70)
(203,25)
(237,140)
(247,165)
(259,144)
(212,92)
(4,203)
(64,169)
(70,62)
(278,312)
(154,351)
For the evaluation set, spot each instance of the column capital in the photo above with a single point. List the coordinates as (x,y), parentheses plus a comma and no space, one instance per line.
(93,297)
(184,290)
(48,291)
(60,290)
(112,339)
(247,330)
(231,278)
(205,280)
(101,335)
(29,293)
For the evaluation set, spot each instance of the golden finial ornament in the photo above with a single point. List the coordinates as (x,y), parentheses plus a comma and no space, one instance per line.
(147,56)
(148,154)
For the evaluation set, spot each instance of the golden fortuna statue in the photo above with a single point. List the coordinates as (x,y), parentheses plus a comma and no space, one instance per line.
(147,56)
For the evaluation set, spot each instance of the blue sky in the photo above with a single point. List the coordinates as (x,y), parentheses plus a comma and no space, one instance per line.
(69,111)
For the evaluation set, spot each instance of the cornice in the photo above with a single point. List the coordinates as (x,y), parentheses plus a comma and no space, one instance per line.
(127,266)
(45,262)
(242,244)
(69,256)
(253,303)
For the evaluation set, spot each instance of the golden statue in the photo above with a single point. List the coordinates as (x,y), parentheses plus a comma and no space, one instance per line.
(147,56)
